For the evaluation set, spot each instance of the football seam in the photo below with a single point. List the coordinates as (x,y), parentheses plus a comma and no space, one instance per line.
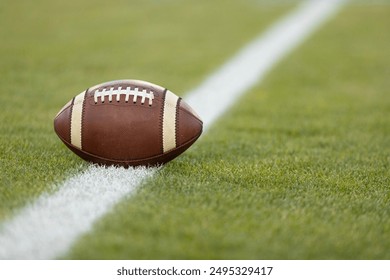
(83,116)
(70,120)
(177,121)
(162,120)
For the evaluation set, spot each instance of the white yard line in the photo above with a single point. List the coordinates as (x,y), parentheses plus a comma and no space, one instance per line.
(48,227)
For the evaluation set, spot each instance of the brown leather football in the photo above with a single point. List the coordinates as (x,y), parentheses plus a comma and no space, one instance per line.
(127,123)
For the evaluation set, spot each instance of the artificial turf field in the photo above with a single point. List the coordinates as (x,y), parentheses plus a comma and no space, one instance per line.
(298,169)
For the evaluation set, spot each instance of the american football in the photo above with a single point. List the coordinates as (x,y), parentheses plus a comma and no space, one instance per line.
(127,123)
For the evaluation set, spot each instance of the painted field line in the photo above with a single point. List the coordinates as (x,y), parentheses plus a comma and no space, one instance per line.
(48,227)
(220,90)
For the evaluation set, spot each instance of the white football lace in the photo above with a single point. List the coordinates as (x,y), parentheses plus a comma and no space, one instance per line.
(126,92)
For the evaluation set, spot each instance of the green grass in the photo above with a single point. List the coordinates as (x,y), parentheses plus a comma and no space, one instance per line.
(52,50)
(299,169)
